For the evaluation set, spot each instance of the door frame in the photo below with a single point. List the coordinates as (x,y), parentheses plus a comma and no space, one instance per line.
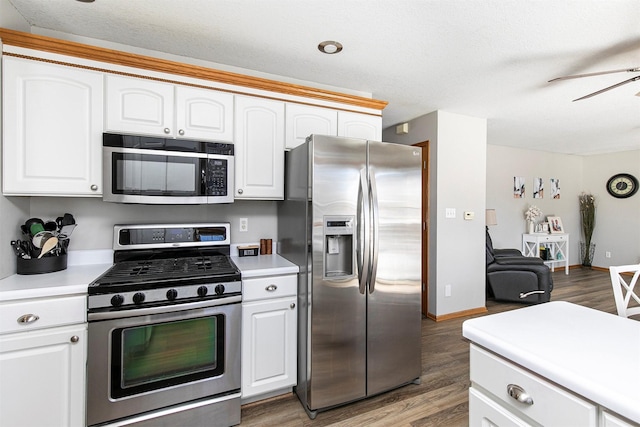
(425,226)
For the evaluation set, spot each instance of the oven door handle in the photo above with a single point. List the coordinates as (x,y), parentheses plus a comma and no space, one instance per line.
(106,315)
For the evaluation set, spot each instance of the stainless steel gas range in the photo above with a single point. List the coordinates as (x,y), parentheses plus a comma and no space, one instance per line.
(164,329)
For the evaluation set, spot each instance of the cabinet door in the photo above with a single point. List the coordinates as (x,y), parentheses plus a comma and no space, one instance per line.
(43,377)
(356,125)
(303,120)
(204,114)
(259,148)
(52,129)
(268,346)
(139,106)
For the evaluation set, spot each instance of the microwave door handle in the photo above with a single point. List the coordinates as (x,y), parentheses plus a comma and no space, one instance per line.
(375,223)
(362,240)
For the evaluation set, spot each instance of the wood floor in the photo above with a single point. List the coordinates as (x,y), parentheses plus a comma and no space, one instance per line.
(441,398)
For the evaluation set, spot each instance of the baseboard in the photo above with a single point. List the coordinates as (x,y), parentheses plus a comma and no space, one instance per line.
(457,314)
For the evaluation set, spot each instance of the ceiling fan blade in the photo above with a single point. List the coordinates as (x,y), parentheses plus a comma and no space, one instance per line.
(632,79)
(577,76)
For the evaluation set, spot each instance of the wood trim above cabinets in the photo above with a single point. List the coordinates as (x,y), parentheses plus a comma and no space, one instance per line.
(79,50)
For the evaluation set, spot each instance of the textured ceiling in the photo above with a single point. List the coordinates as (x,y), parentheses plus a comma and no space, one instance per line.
(483,58)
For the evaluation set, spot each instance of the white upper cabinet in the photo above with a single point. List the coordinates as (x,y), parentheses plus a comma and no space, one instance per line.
(204,114)
(356,125)
(148,107)
(259,148)
(304,120)
(52,129)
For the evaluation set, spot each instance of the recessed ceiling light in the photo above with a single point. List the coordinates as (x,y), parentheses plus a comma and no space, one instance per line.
(329,47)
(86,1)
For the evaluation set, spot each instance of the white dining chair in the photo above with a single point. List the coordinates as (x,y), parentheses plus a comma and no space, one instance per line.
(624,289)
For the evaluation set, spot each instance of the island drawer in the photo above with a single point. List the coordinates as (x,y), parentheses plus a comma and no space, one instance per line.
(550,405)
(269,287)
(39,313)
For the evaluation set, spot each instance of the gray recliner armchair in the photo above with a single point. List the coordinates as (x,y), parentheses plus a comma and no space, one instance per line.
(516,278)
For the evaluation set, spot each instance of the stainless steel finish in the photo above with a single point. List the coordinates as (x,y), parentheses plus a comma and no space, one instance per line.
(94,187)
(118,227)
(218,412)
(107,178)
(181,132)
(25,319)
(292,305)
(519,394)
(101,407)
(240,191)
(167,130)
(75,339)
(358,335)
(271,288)
(524,295)
(160,309)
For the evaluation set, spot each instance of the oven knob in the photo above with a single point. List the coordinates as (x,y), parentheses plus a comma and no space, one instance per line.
(202,291)
(117,300)
(138,298)
(219,289)
(172,294)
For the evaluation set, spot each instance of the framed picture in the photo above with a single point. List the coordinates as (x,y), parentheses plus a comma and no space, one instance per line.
(538,188)
(518,187)
(555,188)
(555,225)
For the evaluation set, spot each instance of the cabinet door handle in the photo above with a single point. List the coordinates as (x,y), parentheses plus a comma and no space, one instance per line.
(25,319)
(75,339)
(167,130)
(94,187)
(293,305)
(519,394)
(271,288)
(240,191)
(181,132)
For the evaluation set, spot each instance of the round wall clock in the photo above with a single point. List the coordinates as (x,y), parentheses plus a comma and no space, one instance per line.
(622,185)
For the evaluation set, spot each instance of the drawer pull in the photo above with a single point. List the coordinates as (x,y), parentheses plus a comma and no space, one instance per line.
(271,288)
(25,319)
(519,394)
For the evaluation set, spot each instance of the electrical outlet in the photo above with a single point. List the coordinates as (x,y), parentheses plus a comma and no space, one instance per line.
(607,254)
(447,290)
(244,224)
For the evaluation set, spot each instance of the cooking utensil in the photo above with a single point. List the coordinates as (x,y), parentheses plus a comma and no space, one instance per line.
(34,226)
(48,246)
(40,238)
(19,250)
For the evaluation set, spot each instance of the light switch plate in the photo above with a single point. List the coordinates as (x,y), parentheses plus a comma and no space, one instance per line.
(450,213)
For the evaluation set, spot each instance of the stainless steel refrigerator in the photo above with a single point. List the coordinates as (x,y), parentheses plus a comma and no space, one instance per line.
(351,220)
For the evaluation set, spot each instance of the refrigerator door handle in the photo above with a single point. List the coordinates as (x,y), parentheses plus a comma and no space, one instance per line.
(374,230)
(362,242)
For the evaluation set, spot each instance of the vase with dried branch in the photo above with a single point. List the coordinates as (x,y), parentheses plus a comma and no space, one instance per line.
(588,223)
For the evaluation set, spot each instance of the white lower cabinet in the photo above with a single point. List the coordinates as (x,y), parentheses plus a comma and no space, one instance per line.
(43,370)
(269,336)
(503,394)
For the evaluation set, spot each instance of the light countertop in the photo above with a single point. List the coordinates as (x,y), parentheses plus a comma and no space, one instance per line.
(264,265)
(592,353)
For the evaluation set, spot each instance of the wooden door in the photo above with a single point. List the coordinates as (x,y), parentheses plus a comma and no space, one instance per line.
(425,226)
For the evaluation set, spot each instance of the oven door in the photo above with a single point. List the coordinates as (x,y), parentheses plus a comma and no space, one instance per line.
(147,362)
(153,176)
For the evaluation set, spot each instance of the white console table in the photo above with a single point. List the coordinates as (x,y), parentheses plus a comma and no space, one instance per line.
(557,243)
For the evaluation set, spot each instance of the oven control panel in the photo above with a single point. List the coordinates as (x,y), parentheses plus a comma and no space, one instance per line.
(170,235)
(163,295)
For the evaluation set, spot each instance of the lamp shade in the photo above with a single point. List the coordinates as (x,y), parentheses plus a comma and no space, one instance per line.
(490,217)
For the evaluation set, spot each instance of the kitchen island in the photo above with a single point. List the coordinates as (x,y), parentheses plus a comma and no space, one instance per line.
(554,364)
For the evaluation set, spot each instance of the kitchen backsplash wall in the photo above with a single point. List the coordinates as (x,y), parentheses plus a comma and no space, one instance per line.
(96,218)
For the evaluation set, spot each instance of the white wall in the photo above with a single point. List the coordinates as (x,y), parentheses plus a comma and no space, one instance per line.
(503,163)
(617,220)
(457,179)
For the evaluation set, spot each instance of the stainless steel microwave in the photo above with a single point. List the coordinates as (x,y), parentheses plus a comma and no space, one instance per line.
(141,169)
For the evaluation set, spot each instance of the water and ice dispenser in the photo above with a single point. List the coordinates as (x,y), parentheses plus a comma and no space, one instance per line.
(339,246)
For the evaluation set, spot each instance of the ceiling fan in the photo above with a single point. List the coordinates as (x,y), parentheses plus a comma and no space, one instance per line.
(577,76)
